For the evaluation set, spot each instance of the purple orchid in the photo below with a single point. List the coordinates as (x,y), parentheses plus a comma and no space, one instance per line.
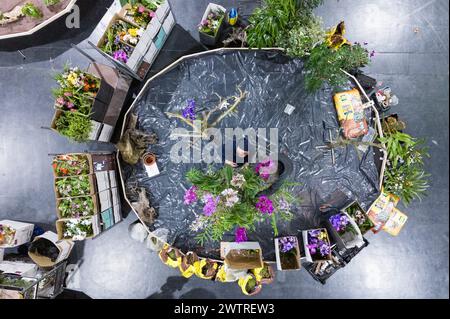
(189,111)
(287,243)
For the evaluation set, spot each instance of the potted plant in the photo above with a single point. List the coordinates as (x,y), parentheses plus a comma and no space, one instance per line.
(287,253)
(170,256)
(360,217)
(76,207)
(187,264)
(72,165)
(344,231)
(206,269)
(265,275)
(74,186)
(211,25)
(77,229)
(317,245)
(250,285)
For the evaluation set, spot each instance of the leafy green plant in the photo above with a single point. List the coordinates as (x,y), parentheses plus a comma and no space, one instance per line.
(73,186)
(325,64)
(405,175)
(70,165)
(76,207)
(74,125)
(306,33)
(30,10)
(232,202)
(271,21)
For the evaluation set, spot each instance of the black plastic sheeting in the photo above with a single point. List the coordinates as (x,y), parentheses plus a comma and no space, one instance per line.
(272,81)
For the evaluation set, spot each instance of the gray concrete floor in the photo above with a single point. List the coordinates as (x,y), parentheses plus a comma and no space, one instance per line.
(415,64)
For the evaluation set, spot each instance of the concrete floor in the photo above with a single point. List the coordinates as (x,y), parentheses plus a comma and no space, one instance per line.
(415,64)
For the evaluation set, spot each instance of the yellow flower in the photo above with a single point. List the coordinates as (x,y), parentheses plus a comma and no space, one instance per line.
(73,79)
(133,32)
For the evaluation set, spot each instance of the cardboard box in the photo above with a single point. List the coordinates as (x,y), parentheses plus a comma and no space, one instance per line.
(105,200)
(95,222)
(22,233)
(169,23)
(364,223)
(106,133)
(102,181)
(115,196)
(94,200)
(96,129)
(117,214)
(18,268)
(349,239)
(91,185)
(278,254)
(162,11)
(107,219)
(241,256)
(112,179)
(64,247)
(86,155)
(308,255)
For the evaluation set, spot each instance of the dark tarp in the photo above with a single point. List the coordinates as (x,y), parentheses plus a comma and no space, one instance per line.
(272,81)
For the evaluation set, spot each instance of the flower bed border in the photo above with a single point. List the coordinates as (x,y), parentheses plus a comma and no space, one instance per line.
(41,25)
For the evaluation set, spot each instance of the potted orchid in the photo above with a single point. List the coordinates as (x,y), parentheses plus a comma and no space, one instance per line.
(360,217)
(344,231)
(317,245)
(231,201)
(211,24)
(287,252)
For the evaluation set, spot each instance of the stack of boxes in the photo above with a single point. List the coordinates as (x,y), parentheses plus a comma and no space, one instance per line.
(100,171)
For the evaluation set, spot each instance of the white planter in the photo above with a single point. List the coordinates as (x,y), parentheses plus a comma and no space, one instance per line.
(162,11)
(169,23)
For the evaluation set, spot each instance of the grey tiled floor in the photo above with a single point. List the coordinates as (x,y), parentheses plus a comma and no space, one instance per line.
(412,265)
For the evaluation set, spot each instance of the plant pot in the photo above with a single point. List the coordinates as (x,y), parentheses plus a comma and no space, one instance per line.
(187,264)
(95,220)
(244,284)
(170,256)
(287,260)
(91,186)
(360,217)
(149,159)
(208,39)
(66,157)
(94,211)
(206,269)
(346,239)
(266,274)
(63,249)
(316,257)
